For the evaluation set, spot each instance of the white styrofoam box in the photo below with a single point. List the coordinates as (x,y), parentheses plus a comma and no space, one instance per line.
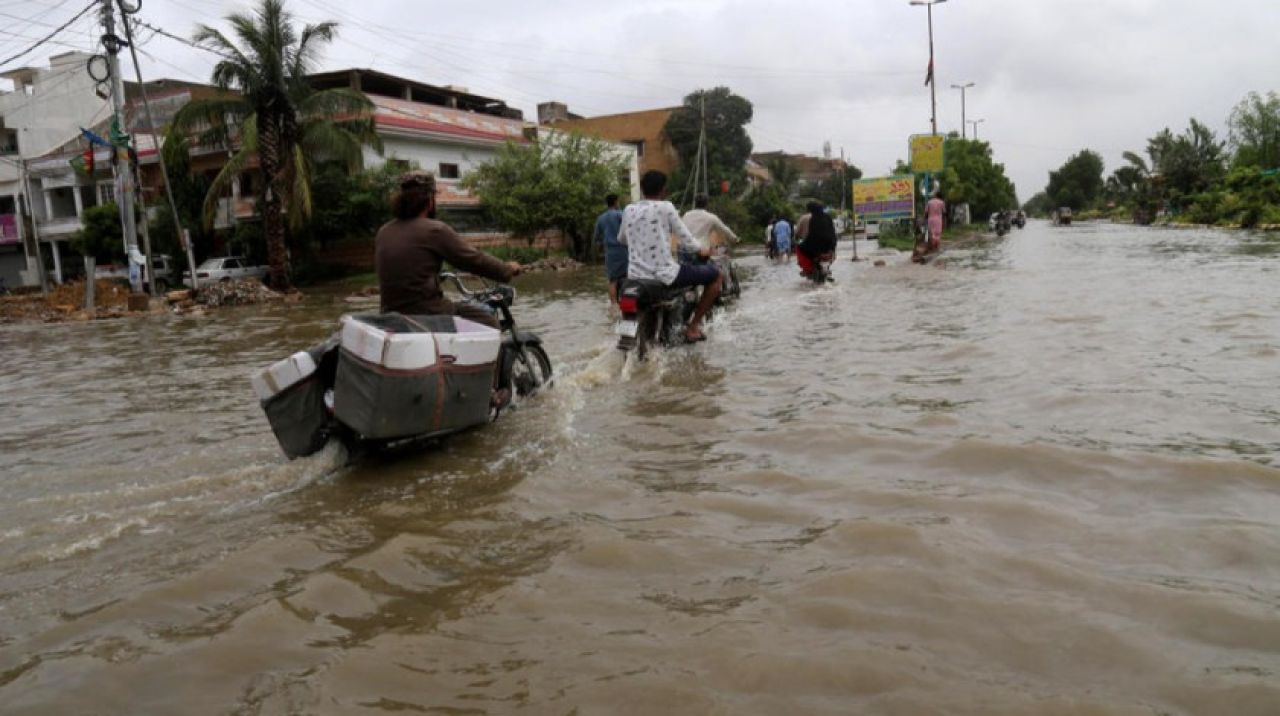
(399,351)
(282,375)
(473,344)
(409,351)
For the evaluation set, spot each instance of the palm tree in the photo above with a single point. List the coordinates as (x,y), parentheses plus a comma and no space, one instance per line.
(271,111)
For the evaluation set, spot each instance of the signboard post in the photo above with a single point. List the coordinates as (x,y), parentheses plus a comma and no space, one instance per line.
(928,157)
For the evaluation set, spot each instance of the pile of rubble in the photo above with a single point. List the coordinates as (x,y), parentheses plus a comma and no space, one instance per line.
(553,263)
(246,292)
(65,302)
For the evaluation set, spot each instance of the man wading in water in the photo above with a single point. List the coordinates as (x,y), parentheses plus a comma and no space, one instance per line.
(615,254)
(647,228)
(410,250)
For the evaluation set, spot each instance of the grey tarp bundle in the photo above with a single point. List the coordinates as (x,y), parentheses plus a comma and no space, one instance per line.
(381,403)
(298,415)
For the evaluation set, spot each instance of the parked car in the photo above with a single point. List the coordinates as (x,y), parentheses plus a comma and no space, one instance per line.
(226,268)
(163,266)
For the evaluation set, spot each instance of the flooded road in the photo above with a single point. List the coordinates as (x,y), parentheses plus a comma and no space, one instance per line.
(1040,479)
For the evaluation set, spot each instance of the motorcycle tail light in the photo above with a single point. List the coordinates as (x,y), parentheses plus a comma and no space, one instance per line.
(628,304)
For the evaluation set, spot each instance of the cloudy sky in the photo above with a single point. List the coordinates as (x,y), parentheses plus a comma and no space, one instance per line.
(1052,76)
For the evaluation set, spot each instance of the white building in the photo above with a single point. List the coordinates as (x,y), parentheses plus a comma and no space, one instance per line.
(445,130)
(43,109)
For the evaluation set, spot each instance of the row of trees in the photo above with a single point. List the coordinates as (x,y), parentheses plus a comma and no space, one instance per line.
(1193,176)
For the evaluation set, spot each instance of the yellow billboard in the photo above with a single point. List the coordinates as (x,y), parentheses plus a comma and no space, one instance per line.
(884,198)
(928,153)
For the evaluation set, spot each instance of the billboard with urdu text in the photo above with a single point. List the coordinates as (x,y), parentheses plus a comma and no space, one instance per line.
(884,198)
(928,153)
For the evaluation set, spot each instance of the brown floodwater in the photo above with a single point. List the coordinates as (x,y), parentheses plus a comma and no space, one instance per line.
(1039,479)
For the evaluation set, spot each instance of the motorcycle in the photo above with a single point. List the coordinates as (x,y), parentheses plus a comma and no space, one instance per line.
(1001,223)
(653,314)
(1020,220)
(388,382)
(821,272)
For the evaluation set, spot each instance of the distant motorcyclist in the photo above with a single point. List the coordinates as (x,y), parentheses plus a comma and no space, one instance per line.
(411,249)
(647,229)
(819,239)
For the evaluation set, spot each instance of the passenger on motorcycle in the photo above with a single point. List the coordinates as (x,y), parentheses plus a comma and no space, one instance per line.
(411,248)
(715,236)
(647,229)
(819,238)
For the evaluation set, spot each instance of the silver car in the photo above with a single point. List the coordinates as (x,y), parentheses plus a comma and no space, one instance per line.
(226,268)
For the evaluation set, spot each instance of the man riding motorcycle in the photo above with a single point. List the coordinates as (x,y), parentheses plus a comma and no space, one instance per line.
(411,248)
(648,226)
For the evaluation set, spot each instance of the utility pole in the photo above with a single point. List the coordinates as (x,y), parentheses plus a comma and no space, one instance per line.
(963,122)
(35,231)
(125,189)
(975,123)
(183,240)
(933,71)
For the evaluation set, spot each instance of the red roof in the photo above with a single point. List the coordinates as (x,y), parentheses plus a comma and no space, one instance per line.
(432,119)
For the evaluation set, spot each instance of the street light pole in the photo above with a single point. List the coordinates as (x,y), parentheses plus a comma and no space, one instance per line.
(975,123)
(933,70)
(963,122)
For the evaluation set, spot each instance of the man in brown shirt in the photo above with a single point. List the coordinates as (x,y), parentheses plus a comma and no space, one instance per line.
(411,249)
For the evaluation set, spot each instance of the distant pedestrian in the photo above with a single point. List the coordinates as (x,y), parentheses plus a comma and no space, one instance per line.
(782,233)
(934,212)
(615,254)
(770,243)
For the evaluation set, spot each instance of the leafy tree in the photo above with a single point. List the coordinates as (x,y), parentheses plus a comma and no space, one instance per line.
(728,144)
(1078,182)
(558,182)
(189,192)
(277,117)
(350,204)
(1190,162)
(100,235)
(1039,205)
(1255,131)
(972,177)
(1131,185)
(784,173)
(765,204)
(838,187)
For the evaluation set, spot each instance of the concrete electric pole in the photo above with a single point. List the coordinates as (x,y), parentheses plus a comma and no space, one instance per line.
(125,188)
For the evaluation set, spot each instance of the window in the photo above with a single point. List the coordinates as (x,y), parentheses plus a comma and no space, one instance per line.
(449,171)
(106,193)
(8,141)
(638,144)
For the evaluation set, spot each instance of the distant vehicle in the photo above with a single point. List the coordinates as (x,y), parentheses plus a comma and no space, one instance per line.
(226,268)
(1020,219)
(1062,217)
(163,265)
(873,229)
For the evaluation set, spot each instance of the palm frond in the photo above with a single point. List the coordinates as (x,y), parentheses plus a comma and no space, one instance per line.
(300,197)
(221,183)
(211,119)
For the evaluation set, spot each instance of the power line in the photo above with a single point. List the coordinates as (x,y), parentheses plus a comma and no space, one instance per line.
(183,40)
(51,35)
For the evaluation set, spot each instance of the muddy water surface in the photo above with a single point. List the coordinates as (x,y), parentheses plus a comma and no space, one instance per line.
(1040,479)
